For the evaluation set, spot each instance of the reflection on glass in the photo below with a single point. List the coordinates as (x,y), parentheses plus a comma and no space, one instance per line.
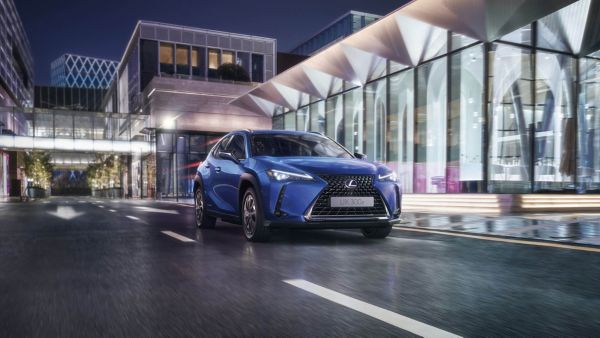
(198,61)
(401,121)
(465,151)
(289,121)
(520,36)
(588,121)
(63,124)
(334,115)
(353,120)
(430,138)
(302,119)
(214,61)
(376,112)
(555,137)
(317,117)
(511,115)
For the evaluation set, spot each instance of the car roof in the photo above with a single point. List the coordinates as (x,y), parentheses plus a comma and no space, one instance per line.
(271,132)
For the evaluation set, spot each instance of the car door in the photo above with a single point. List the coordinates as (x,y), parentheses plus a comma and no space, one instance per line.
(211,175)
(228,173)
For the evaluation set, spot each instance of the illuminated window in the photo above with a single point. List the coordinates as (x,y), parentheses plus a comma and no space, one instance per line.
(228,57)
(183,60)
(166,58)
(214,60)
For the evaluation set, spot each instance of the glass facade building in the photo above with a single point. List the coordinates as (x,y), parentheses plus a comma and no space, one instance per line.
(515,113)
(345,25)
(76,71)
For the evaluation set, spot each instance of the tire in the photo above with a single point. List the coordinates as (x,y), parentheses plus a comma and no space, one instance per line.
(377,233)
(253,217)
(203,221)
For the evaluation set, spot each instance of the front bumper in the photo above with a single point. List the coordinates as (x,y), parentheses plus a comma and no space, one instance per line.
(341,223)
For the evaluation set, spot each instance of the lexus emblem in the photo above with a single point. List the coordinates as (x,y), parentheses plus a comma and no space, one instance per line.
(350,184)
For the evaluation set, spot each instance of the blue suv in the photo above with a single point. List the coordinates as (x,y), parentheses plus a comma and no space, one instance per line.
(275,179)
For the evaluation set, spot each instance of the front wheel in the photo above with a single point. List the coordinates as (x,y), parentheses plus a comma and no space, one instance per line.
(253,218)
(377,232)
(203,221)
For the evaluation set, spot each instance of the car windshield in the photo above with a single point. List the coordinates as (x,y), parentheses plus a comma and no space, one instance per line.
(283,145)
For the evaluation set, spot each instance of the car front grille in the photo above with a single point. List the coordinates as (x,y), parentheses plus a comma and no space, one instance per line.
(336,187)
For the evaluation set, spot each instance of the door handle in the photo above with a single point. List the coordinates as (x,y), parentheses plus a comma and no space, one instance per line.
(218,169)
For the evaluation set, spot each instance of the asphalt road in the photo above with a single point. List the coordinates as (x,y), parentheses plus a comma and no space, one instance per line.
(78,267)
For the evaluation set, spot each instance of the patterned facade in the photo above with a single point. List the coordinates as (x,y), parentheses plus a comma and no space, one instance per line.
(77,71)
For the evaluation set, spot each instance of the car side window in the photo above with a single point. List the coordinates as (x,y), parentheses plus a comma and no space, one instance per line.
(237,147)
(221,146)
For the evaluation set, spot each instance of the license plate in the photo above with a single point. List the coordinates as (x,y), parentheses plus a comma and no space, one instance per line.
(352,202)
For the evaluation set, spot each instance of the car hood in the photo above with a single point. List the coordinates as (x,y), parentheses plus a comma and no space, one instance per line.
(324,165)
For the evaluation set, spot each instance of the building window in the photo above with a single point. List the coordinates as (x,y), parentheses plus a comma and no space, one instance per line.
(198,61)
(183,60)
(317,117)
(510,119)
(376,114)
(214,61)
(228,57)
(334,116)
(352,126)
(166,58)
(588,121)
(401,123)
(258,68)
(430,133)
(466,122)
(148,61)
(302,119)
(555,125)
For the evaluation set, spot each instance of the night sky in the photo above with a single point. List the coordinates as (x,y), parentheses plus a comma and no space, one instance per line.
(103,28)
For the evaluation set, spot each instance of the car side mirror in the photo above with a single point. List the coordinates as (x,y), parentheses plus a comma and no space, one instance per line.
(360,156)
(228,156)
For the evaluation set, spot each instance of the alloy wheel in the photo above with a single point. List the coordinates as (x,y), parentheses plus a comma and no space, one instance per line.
(249,215)
(199,208)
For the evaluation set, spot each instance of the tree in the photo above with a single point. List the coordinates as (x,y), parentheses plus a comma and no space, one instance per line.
(233,72)
(39,169)
(104,173)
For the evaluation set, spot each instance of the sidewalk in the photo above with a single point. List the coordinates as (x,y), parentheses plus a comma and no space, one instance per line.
(576,228)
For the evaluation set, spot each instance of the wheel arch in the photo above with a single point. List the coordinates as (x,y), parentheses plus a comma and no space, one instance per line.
(248,180)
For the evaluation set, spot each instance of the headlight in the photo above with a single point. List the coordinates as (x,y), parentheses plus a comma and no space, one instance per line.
(279,175)
(390,177)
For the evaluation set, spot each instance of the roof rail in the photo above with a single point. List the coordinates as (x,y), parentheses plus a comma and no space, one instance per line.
(317,132)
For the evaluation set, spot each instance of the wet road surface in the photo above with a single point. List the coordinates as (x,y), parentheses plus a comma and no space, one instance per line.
(77,267)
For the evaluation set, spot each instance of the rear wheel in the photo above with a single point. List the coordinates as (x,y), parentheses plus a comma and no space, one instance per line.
(376,232)
(253,218)
(203,221)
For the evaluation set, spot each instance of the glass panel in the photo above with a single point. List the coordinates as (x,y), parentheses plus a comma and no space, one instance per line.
(258,68)
(334,115)
(465,151)
(278,122)
(376,111)
(430,138)
(588,121)
(302,119)
(317,117)
(228,57)
(353,121)
(555,137)
(83,126)
(214,60)
(563,30)
(459,41)
(166,58)
(198,144)
(44,125)
(63,125)
(511,115)
(183,60)
(164,142)
(182,143)
(243,59)
(401,122)
(520,36)
(289,121)
(198,61)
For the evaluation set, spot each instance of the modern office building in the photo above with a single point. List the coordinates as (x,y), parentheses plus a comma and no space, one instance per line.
(502,98)
(16,85)
(347,24)
(76,71)
(174,76)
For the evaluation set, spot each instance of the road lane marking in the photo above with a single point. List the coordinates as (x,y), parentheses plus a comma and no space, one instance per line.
(160,211)
(101,206)
(376,312)
(504,240)
(133,218)
(178,236)
(112,210)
